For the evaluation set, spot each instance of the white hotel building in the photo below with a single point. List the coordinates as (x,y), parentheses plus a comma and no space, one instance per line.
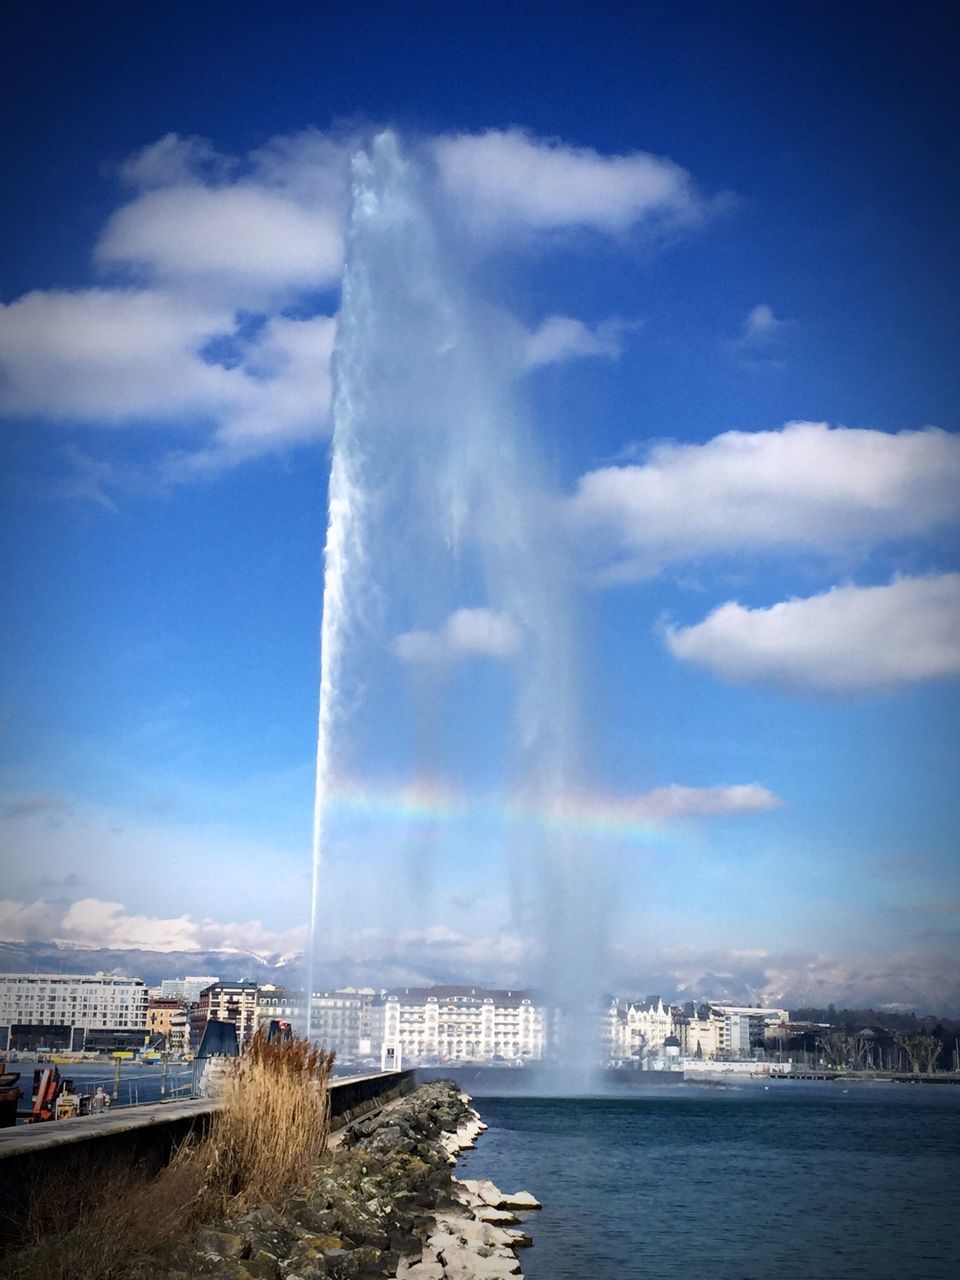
(82,1002)
(635,1032)
(436,1025)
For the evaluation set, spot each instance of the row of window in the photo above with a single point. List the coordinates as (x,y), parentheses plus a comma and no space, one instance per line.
(47,982)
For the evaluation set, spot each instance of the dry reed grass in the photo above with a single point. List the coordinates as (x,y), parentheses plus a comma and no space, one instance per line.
(96,1224)
(263,1143)
(272,1129)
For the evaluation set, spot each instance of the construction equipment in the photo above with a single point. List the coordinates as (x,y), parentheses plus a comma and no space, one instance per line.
(10,1095)
(46,1086)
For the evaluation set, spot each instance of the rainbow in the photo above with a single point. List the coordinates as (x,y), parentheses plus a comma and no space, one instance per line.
(425,803)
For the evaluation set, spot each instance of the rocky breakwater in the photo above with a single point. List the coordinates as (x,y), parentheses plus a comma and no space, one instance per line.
(384,1202)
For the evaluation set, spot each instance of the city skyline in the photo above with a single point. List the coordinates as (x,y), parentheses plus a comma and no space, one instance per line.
(720,269)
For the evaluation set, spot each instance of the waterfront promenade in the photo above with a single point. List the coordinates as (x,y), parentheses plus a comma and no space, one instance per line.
(347,1095)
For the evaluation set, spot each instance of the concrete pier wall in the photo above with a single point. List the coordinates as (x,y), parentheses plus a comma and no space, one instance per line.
(59,1152)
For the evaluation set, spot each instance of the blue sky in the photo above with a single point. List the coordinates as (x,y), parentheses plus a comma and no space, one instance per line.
(699,225)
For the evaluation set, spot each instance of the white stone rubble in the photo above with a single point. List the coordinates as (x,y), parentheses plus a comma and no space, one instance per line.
(473,1241)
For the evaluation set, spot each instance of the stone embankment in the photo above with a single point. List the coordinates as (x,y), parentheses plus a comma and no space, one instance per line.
(383,1203)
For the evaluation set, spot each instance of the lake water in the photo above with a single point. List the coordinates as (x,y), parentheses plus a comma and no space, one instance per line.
(138,1083)
(805,1181)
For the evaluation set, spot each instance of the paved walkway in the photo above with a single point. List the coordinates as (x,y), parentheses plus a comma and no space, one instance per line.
(25,1138)
(22,1139)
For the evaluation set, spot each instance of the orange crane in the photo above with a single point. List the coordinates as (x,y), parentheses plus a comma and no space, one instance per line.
(46,1086)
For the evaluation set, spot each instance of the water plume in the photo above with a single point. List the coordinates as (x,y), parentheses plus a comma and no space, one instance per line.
(447,633)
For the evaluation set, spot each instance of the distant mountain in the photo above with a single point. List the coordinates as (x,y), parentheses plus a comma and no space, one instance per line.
(676,985)
(151,966)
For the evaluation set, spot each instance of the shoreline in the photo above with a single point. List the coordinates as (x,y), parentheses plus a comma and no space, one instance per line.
(478,1237)
(384,1202)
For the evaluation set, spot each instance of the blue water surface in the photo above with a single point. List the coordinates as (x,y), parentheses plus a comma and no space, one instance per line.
(811,1181)
(134,1084)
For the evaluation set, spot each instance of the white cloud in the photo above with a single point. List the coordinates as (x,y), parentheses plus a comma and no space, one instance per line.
(205,241)
(120,356)
(247,242)
(438,953)
(561,338)
(222,243)
(807,487)
(761,324)
(282,398)
(849,640)
(93,922)
(901,979)
(109,355)
(173,161)
(508,181)
(291,386)
(28,921)
(920,980)
(677,801)
(466,633)
(253,230)
(275,217)
(311,167)
(384,956)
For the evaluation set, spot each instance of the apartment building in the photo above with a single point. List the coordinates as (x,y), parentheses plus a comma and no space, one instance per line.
(234,1002)
(160,1015)
(729,1032)
(280,1004)
(178,1035)
(458,1024)
(700,1034)
(341,1020)
(69,1005)
(741,1029)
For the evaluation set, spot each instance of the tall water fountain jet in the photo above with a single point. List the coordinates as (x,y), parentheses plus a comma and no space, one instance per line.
(437,506)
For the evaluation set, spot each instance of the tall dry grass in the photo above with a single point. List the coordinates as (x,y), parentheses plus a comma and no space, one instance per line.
(92,1223)
(272,1129)
(262,1144)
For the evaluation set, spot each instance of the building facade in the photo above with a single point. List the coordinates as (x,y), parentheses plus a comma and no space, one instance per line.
(178,1035)
(160,1015)
(635,1031)
(741,1029)
(700,1035)
(279,1004)
(80,1002)
(341,1021)
(234,1002)
(186,989)
(729,1032)
(435,1025)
